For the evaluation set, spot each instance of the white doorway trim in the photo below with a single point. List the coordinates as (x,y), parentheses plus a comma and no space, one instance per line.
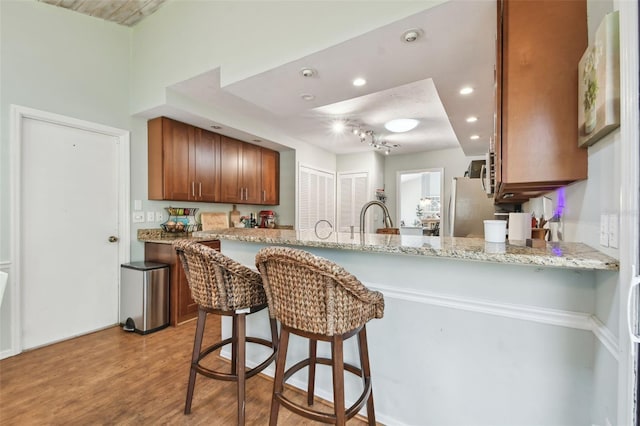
(18,115)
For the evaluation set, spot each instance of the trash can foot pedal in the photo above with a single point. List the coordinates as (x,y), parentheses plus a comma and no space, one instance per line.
(129,325)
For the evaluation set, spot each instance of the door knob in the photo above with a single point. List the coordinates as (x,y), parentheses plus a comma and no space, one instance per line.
(113,239)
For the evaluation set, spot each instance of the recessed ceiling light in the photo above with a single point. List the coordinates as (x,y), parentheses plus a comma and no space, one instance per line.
(466,90)
(411,35)
(359,82)
(216,127)
(472,119)
(307,72)
(338,126)
(257,141)
(401,125)
(307,96)
(474,137)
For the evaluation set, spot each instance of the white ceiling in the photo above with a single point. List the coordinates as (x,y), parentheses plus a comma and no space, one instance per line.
(410,80)
(124,12)
(418,80)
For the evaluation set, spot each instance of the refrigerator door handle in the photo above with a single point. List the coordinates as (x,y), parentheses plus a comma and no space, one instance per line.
(483,177)
(632,314)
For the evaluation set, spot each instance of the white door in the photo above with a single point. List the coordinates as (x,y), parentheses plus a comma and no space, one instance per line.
(316,198)
(69,209)
(353,191)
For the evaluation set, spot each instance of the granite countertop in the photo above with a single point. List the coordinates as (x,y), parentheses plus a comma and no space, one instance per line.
(561,255)
(159,236)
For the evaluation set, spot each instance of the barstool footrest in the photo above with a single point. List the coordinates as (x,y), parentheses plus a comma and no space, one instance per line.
(214,374)
(319,415)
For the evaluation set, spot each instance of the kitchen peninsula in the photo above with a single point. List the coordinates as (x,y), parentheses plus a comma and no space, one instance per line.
(468,336)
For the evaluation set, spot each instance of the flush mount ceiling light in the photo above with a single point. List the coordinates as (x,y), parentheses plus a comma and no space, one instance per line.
(401,125)
(474,137)
(359,82)
(307,96)
(466,90)
(472,119)
(411,35)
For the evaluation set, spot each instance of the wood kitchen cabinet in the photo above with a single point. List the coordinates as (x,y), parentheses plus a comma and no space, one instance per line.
(539,46)
(181,306)
(183,162)
(270,168)
(249,174)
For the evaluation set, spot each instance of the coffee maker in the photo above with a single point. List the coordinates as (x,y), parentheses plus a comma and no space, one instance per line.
(267,219)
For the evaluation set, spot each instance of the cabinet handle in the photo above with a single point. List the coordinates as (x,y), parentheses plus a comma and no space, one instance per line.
(200,189)
(246,194)
(193,189)
(264,196)
(241,194)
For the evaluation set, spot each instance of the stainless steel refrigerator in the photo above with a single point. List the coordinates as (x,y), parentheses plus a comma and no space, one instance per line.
(469,206)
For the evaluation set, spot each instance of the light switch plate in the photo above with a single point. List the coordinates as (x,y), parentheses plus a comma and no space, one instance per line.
(159,217)
(138,217)
(614,234)
(137,204)
(604,230)
(151,216)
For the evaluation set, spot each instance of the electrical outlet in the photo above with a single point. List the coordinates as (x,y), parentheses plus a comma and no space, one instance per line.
(613,231)
(151,216)
(604,230)
(138,217)
(159,217)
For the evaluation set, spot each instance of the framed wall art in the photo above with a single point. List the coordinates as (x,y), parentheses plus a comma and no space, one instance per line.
(599,84)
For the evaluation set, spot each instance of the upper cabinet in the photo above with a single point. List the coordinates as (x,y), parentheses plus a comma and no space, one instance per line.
(187,163)
(539,46)
(183,162)
(249,174)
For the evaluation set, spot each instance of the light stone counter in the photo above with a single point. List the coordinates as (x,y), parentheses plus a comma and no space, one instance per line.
(561,255)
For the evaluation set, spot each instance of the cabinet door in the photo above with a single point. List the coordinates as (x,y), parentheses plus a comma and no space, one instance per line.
(176,138)
(206,173)
(542,42)
(252,173)
(270,177)
(187,307)
(230,170)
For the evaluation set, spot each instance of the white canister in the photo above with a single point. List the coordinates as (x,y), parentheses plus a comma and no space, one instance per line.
(519,226)
(495,231)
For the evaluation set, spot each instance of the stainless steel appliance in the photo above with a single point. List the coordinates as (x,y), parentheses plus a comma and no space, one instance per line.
(144,296)
(468,208)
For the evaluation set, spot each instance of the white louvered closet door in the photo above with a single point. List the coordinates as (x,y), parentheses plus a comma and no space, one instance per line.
(316,197)
(353,190)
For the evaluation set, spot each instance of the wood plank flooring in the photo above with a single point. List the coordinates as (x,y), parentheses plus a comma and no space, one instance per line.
(119,378)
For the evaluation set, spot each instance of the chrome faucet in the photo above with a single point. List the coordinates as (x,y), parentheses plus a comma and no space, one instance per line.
(387,217)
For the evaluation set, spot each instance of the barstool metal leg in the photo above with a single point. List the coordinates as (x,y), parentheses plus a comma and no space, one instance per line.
(313,344)
(337,367)
(363,348)
(240,364)
(278,380)
(197,345)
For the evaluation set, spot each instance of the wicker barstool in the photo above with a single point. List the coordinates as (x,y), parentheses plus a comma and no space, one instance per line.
(314,298)
(222,286)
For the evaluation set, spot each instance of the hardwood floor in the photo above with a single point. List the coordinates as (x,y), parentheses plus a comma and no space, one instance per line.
(114,377)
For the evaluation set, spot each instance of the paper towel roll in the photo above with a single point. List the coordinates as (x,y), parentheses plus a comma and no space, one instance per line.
(519,226)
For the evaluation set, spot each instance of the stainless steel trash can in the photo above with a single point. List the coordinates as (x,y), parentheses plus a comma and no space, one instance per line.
(144,296)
